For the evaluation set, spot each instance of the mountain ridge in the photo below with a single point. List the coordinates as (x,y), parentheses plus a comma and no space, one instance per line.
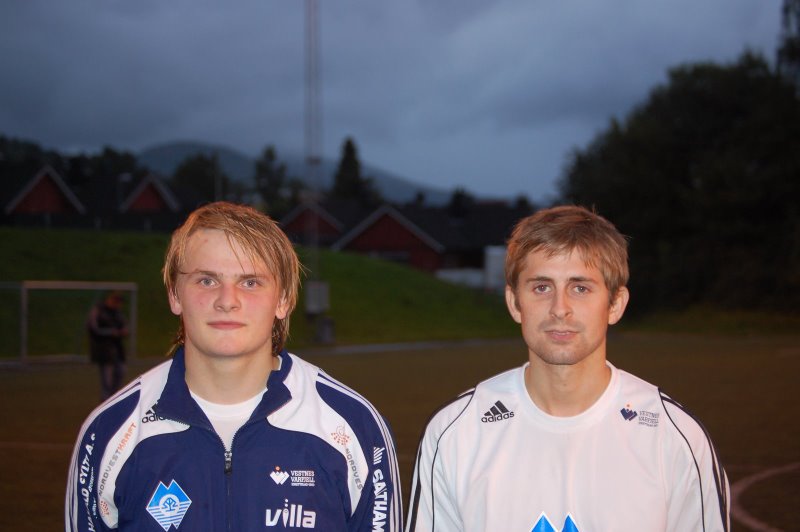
(164,158)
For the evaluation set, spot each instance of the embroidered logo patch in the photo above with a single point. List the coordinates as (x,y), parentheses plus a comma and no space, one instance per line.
(498,412)
(648,419)
(340,436)
(168,505)
(279,476)
(305,478)
(627,413)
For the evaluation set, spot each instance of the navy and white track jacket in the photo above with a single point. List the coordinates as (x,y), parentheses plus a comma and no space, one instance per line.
(313,455)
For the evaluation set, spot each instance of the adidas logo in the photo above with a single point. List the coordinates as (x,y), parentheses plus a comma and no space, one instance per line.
(150,415)
(498,412)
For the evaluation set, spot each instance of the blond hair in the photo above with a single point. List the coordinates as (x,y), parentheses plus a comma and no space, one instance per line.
(262,242)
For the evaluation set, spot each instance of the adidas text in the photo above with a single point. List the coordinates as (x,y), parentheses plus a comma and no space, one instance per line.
(150,416)
(498,412)
(497,417)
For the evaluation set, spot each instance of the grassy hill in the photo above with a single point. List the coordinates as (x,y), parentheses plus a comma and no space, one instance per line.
(371,300)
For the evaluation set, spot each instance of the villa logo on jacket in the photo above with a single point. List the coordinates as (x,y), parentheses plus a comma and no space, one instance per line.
(168,505)
(291,516)
(543,524)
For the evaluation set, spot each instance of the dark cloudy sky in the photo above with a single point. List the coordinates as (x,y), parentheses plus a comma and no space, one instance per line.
(486,95)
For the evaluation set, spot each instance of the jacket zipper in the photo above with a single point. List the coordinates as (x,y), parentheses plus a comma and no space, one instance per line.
(228,464)
(228,454)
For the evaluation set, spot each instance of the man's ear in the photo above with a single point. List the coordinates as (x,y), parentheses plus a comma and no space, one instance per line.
(511,303)
(282,310)
(174,303)
(617,308)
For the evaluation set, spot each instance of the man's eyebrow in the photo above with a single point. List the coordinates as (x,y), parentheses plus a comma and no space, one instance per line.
(217,275)
(209,273)
(538,279)
(573,279)
(252,276)
(581,279)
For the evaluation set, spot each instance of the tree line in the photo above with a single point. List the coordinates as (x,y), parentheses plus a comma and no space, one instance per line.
(704,179)
(271,186)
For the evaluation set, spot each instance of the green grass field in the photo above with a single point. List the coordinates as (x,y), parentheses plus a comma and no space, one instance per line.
(741,386)
(371,300)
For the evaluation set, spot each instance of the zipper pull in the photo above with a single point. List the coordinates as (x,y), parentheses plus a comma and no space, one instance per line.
(228,462)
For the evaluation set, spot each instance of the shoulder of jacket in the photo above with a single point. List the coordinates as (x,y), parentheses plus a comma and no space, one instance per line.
(684,422)
(454,409)
(136,394)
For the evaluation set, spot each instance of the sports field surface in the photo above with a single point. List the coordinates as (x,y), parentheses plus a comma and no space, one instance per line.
(744,388)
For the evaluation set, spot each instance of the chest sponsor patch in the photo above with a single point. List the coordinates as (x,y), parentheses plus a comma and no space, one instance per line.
(296,477)
(643,417)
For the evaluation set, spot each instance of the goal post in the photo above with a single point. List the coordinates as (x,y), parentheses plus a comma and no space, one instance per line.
(26,287)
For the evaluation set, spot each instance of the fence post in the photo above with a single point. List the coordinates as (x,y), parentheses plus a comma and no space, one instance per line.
(23,322)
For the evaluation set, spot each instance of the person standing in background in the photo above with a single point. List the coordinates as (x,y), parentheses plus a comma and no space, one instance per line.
(107,329)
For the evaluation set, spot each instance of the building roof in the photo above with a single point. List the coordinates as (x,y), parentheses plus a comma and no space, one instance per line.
(394,213)
(442,228)
(151,180)
(47,172)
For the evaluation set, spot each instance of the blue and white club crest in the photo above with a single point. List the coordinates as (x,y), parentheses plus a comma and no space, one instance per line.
(168,505)
(543,524)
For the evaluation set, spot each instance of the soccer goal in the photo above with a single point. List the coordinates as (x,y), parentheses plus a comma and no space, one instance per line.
(50,319)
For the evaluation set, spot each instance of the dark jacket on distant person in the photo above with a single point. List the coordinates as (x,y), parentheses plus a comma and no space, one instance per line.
(107,328)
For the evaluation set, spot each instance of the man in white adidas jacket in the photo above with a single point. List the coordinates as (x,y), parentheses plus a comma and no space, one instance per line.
(566,442)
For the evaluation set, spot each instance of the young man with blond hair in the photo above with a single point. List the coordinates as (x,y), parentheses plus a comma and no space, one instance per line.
(567,442)
(233,432)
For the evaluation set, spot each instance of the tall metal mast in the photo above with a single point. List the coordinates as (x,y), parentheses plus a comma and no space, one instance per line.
(313,137)
(316,290)
(313,102)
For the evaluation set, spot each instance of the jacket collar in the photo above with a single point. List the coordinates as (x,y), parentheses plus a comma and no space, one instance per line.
(176,402)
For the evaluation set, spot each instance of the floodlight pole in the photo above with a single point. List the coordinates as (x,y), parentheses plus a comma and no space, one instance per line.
(316,291)
(313,120)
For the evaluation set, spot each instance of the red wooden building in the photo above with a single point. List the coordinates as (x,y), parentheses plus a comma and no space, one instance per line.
(100,202)
(388,234)
(44,193)
(433,238)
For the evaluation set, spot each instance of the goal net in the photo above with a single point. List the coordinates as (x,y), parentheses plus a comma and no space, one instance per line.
(46,320)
